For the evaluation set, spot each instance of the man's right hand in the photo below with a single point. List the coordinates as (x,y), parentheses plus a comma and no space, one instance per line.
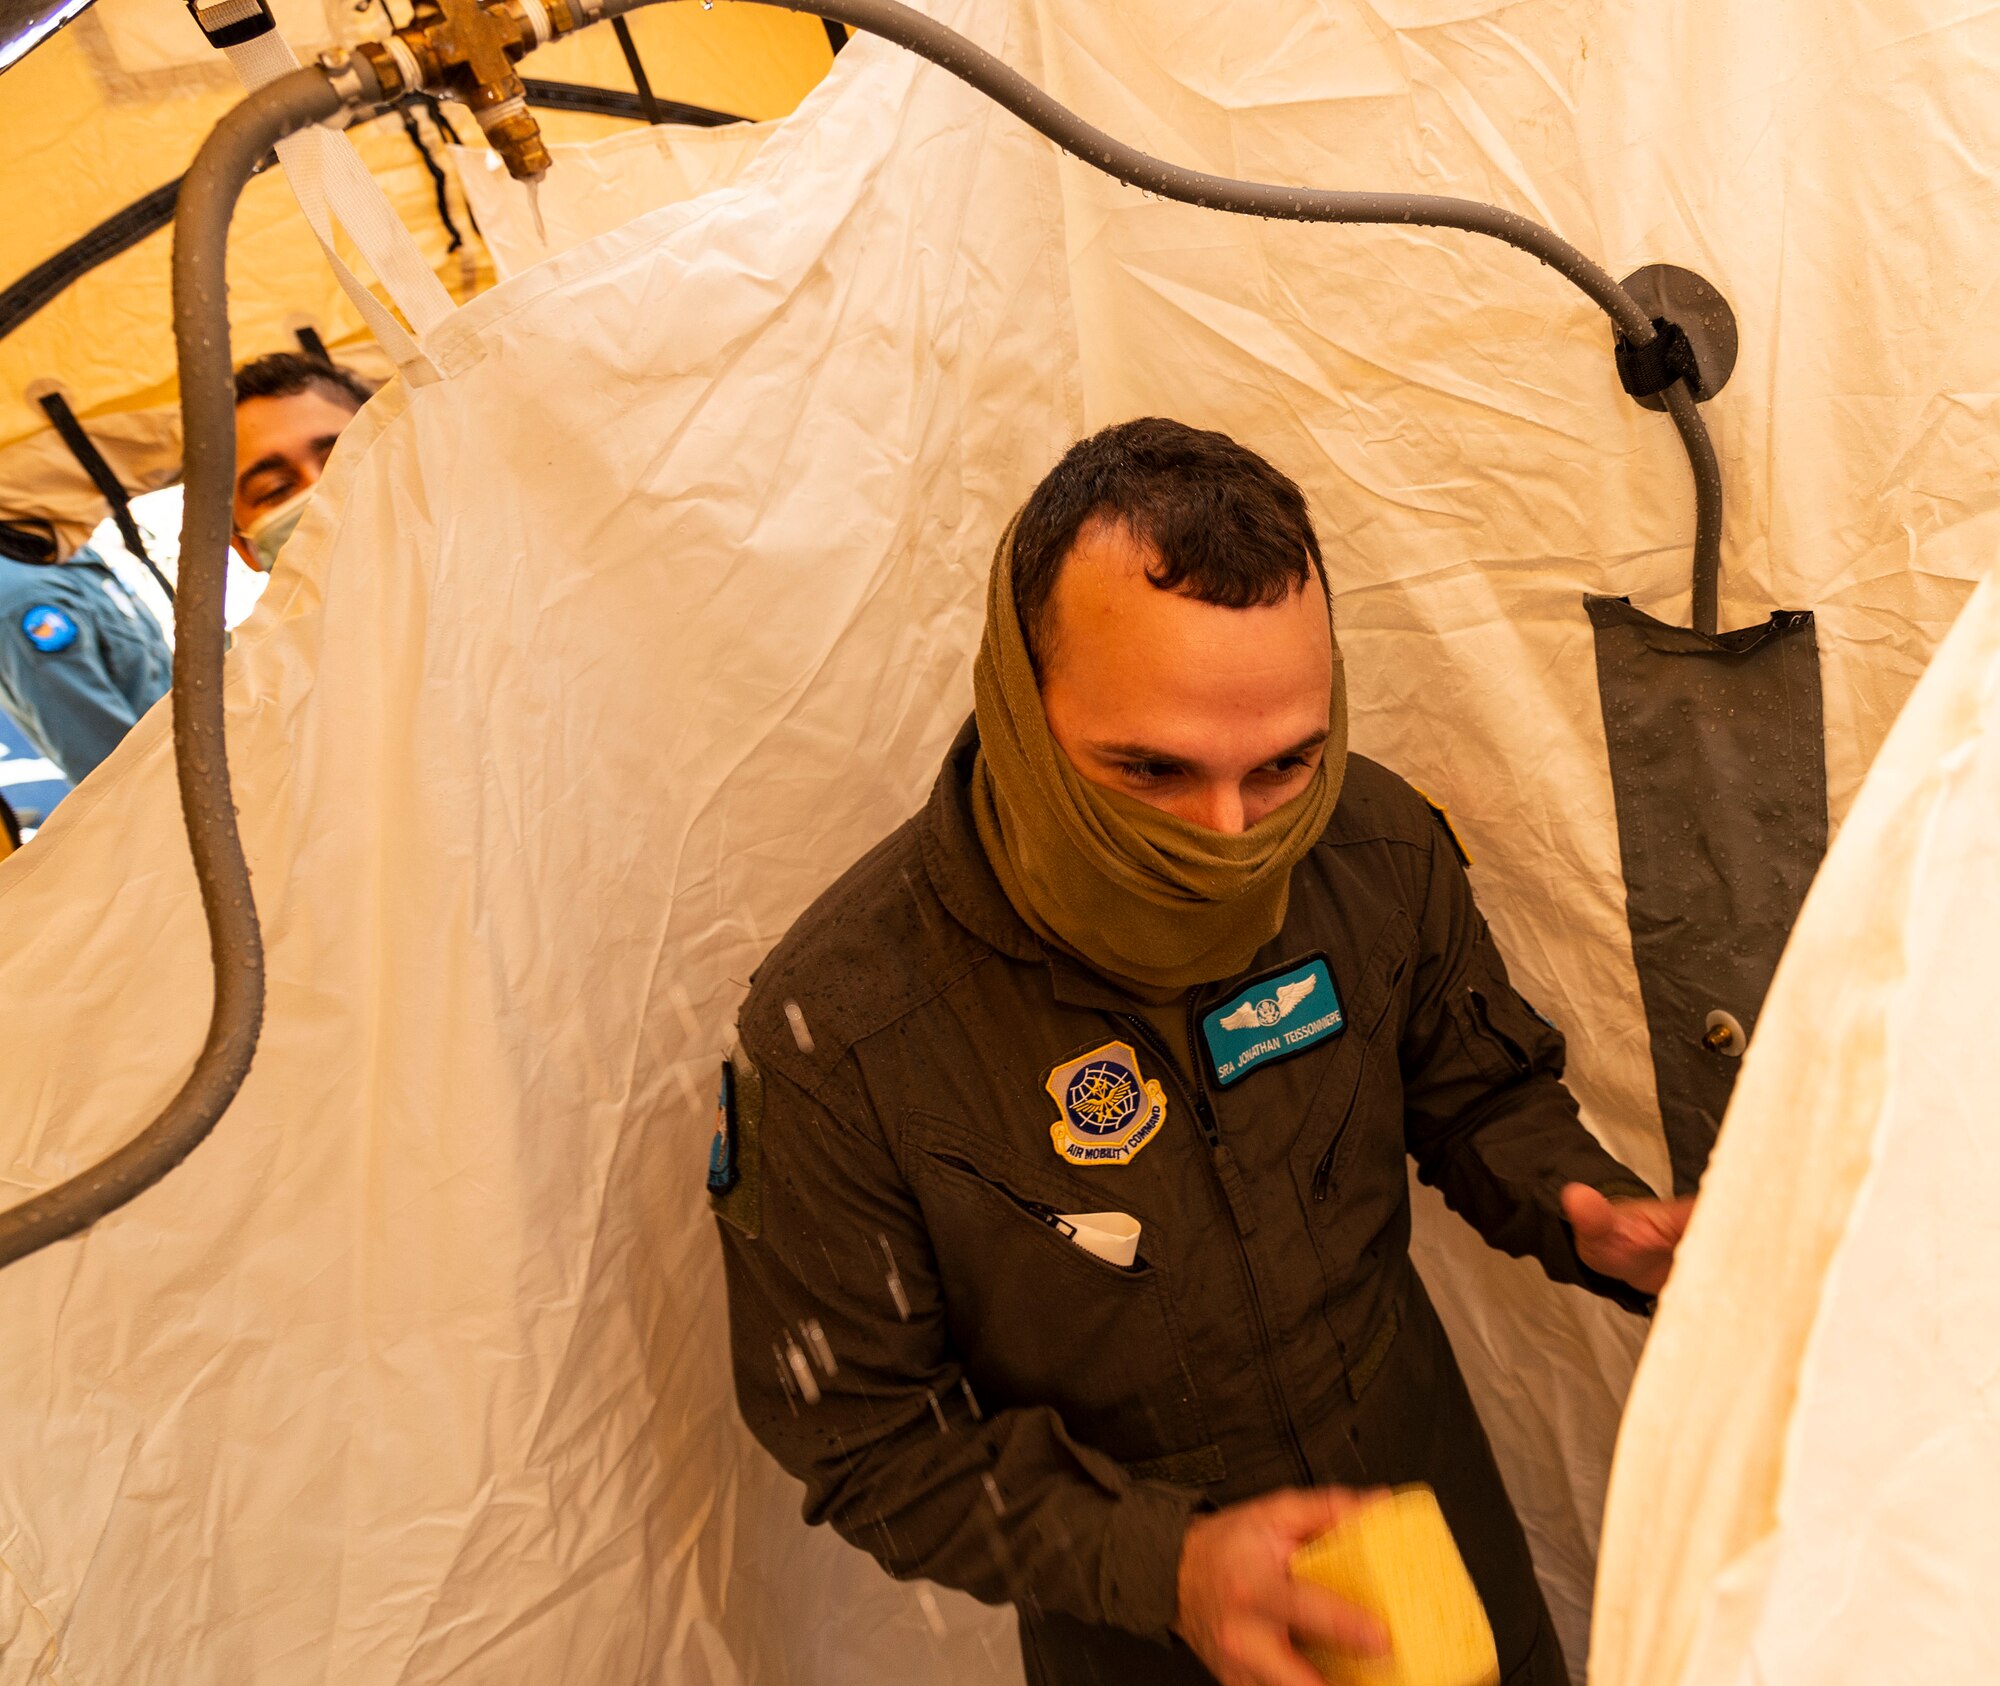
(1239,1606)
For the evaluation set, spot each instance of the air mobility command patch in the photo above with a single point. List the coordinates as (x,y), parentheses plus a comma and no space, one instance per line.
(1272,1017)
(1110,1108)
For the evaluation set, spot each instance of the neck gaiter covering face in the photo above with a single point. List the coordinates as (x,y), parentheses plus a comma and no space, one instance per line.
(1152,902)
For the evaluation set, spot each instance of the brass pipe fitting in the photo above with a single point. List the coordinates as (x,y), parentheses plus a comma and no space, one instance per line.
(465,50)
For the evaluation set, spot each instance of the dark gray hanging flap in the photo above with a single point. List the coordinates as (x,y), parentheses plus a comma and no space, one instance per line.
(1718,769)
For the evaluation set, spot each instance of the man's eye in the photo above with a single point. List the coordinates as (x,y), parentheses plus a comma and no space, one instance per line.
(1285,766)
(1148,772)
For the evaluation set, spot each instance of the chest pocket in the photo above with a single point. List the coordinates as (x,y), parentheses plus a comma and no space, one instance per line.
(1363,1082)
(1039,1321)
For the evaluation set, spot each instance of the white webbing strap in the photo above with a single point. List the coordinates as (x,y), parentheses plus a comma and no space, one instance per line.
(333,185)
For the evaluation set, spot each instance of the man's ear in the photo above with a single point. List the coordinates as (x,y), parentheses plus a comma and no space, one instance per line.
(245,550)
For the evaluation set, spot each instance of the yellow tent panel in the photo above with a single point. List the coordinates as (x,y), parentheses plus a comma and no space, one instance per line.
(114,107)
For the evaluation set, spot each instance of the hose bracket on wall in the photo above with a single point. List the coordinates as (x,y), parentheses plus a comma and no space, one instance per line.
(1690,312)
(1646,369)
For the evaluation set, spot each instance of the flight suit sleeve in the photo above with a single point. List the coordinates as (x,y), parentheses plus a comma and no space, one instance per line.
(1486,1115)
(845,1372)
(66,698)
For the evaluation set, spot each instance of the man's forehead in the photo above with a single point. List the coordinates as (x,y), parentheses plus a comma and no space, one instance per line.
(291,421)
(1111,558)
(1105,592)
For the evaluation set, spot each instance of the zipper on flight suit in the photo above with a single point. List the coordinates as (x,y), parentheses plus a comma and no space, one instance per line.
(1235,1196)
(1036,1209)
(1322,1184)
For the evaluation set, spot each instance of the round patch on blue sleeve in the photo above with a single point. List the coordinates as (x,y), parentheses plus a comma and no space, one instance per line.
(48,628)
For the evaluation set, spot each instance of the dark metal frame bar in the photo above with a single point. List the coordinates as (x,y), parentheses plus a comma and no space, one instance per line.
(105,479)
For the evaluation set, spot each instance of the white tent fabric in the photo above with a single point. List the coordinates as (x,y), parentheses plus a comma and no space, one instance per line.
(594,187)
(598,657)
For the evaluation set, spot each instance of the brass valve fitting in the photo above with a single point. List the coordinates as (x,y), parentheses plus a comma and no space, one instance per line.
(465,50)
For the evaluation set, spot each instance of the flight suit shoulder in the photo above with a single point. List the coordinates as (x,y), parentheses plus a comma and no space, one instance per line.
(75,590)
(874,947)
(24,584)
(1378,806)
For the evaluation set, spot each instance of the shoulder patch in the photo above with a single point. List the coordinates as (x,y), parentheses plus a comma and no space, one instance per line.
(735,1157)
(722,1145)
(1443,818)
(49,628)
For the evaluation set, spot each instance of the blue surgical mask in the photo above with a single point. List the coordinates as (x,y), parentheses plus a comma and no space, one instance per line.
(267,534)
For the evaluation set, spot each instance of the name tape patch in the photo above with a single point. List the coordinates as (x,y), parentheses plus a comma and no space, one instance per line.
(1109,1107)
(1279,1014)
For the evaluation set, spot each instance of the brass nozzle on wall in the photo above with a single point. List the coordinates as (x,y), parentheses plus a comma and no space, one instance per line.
(465,50)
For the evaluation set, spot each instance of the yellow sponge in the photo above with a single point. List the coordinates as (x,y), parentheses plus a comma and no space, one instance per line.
(1396,1559)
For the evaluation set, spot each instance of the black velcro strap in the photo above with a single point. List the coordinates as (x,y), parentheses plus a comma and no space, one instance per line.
(105,479)
(1645,370)
(32,540)
(229,23)
(119,232)
(91,460)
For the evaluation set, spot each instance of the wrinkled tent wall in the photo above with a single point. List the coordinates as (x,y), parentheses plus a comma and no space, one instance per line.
(596,186)
(571,702)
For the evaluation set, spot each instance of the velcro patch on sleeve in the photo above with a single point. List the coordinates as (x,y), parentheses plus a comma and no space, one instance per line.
(735,1157)
(1443,817)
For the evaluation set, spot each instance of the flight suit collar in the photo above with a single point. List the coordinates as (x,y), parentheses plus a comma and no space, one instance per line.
(956,864)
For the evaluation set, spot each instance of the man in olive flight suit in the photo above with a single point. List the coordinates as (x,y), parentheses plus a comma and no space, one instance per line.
(1157,946)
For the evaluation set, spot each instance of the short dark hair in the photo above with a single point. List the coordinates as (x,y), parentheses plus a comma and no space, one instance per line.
(286,373)
(1229,528)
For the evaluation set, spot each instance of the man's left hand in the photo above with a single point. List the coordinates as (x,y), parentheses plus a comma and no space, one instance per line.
(1632,1240)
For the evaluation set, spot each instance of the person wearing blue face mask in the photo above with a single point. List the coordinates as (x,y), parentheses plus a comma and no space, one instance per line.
(290,410)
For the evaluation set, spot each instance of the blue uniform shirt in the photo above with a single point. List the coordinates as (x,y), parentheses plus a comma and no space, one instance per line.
(80,658)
